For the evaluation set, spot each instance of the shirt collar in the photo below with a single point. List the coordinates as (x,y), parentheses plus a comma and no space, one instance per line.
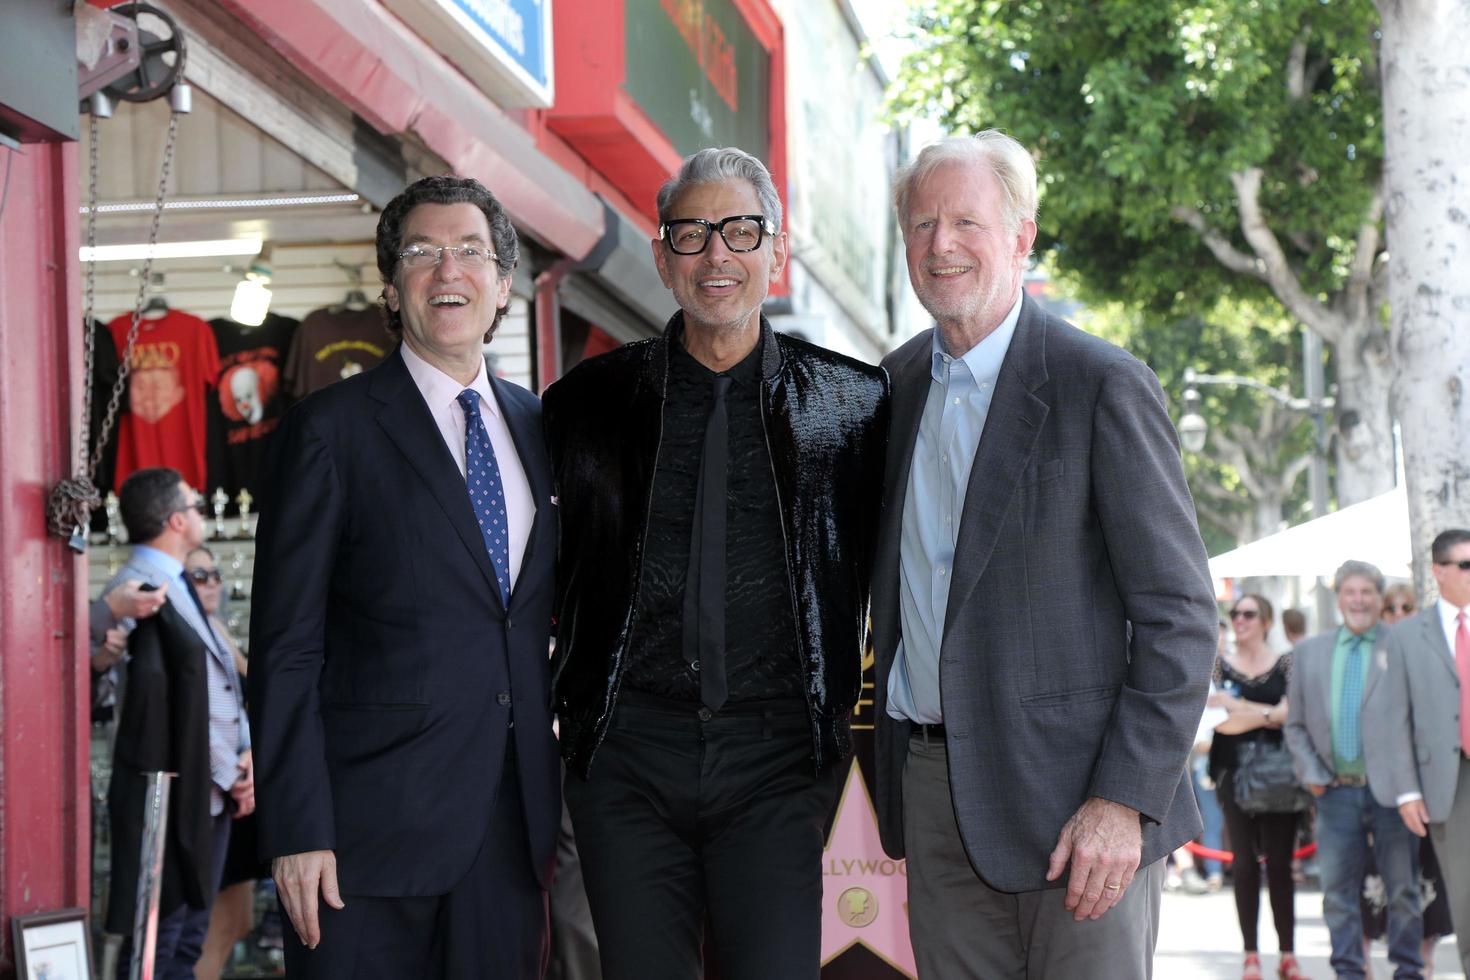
(163,562)
(985,358)
(1345,635)
(440,390)
(748,371)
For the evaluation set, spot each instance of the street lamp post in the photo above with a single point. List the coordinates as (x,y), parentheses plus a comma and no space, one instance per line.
(1193,430)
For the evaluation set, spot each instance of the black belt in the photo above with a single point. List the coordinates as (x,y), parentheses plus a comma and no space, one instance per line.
(930,733)
(1350,781)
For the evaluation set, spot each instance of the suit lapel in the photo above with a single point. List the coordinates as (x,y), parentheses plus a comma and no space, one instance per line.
(406,420)
(1011,429)
(910,387)
(1432,631)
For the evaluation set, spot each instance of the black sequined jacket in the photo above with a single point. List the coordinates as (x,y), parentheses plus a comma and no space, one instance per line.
(826,426)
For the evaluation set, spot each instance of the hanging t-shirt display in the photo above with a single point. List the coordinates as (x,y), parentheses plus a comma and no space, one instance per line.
(250,399)
(173,362)
(335,344)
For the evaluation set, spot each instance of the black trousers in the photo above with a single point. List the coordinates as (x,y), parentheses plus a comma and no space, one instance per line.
(1268,835)
(722,818)
(492,925)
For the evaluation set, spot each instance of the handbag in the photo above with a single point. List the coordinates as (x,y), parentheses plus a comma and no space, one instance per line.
(1265,779)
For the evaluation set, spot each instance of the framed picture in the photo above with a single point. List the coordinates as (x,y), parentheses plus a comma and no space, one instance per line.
(53,946)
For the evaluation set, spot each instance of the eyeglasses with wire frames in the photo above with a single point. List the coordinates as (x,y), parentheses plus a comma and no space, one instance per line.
(202,576)
(1399,609)
(1463,564)
(690,236)
(424,255)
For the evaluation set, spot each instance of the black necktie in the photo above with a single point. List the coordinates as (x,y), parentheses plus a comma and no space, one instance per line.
(704,590)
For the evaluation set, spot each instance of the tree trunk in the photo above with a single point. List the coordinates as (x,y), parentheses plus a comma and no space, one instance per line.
(1426,109)
(1364,444)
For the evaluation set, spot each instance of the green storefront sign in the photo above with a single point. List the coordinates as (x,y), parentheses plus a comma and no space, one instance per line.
(697,71)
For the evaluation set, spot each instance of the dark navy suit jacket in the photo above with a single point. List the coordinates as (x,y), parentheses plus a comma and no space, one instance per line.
(385,670)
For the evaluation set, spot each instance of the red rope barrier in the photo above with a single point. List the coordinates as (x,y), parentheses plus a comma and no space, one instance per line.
(1211,854)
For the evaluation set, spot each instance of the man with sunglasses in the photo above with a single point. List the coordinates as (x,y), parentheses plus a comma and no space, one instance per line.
(180,677)
(400,631)
(719,491)
(1421,761)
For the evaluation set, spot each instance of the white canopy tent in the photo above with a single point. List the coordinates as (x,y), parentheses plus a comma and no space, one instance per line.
(1376,530)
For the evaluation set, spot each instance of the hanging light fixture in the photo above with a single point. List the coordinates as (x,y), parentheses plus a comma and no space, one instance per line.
(252,296)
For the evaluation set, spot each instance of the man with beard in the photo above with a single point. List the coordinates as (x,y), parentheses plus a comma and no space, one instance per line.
(719,491)
(1043,616)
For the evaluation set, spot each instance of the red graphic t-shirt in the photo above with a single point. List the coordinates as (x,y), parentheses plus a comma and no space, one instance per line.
(173,362)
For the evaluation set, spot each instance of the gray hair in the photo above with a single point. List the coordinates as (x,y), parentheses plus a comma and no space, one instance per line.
(713,165)
(1004,155)
(1357,569)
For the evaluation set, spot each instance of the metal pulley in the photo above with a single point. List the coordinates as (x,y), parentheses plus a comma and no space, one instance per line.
(135,64)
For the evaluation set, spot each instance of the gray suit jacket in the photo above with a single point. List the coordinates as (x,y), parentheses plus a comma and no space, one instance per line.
(1416,748)
(1080,631)
(1309,712)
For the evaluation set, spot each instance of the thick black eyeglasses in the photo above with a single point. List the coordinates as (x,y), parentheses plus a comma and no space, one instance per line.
(203,575)
(1404,609)
(198,505)
(1463,564)
(1243,614)
(690,236)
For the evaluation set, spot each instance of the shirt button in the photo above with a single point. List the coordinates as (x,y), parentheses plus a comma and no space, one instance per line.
(704,714)
(503,698)
(941,570)
(957,400)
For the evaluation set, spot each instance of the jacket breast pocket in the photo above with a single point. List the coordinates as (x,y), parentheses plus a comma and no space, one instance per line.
(1045,471)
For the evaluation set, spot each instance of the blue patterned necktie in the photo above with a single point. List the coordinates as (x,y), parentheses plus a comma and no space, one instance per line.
(487,495)
(1348,742)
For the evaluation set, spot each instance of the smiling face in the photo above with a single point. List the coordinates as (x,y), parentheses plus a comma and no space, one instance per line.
(1360,603)
(965,259)
(1248,622)
(720,291)
(447,308)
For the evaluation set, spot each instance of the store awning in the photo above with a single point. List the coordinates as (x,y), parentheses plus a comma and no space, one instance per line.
(1375,531)
(366,57)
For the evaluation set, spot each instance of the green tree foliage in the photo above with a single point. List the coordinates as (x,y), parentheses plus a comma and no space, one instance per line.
(1139,110)
(1248,478)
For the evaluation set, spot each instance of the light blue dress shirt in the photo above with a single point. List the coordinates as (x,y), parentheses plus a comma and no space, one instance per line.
(960,391)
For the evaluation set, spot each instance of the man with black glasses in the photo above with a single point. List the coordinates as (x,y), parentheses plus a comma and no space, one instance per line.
(719,491)
(179,677)
(1421,761)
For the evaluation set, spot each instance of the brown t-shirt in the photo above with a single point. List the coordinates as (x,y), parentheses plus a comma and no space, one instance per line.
(330,346)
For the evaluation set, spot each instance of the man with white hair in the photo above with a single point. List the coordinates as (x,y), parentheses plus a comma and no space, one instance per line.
(1043,617)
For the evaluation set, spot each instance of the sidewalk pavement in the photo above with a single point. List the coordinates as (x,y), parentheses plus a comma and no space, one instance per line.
(1200,940)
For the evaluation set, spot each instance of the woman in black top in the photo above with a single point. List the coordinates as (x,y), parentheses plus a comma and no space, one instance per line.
(1251,685)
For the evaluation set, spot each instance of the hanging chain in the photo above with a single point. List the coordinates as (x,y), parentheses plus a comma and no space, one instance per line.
(69,508)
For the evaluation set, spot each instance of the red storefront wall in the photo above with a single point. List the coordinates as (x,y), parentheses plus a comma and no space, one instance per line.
(44,833)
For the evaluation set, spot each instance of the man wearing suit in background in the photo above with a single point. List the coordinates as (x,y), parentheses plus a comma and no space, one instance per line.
(1420,762)
(181,712)
(403,583)
(1043,616)
(1335,677)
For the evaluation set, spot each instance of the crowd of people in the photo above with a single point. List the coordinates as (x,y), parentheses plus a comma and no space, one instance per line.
(703,523)
(1337,706)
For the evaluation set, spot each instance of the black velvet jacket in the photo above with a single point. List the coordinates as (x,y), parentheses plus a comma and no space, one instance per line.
(826,426)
